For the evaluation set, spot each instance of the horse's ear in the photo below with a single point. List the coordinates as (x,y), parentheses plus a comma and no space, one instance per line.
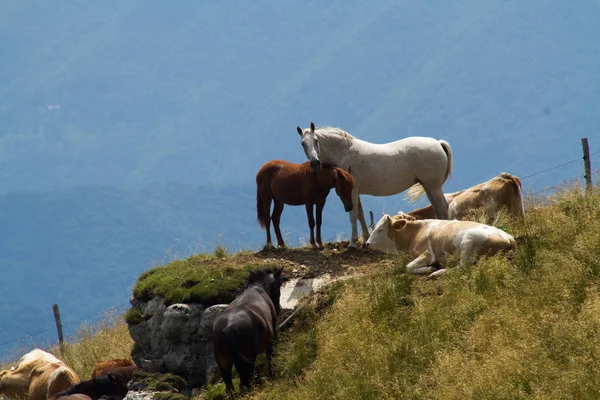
(278,272)
(299,130)
(312,126)
(350,170)
(115,377)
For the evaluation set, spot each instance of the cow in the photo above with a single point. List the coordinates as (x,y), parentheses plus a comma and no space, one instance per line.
(502,191)
(38,376)
(429,242)
(103,367)
(111,384)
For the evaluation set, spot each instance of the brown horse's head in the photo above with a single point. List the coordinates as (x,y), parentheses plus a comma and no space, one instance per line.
(344,183)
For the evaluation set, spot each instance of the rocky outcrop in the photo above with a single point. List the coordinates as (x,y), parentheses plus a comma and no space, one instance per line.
(176,339)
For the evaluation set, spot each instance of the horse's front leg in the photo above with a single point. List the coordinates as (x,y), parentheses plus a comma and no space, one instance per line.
(353,218)
(319,221)
(363,224)
(311,223)
(270,361)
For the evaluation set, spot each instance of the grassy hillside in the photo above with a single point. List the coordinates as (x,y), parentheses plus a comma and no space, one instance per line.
(518,328)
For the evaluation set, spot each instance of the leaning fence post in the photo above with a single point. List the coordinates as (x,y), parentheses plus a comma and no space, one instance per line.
(587,164)
(58,327)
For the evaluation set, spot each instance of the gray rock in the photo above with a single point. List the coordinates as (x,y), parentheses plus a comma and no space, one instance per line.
(140,395)
(177,339)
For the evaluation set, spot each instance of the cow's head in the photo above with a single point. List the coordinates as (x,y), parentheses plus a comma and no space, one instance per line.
(383,237)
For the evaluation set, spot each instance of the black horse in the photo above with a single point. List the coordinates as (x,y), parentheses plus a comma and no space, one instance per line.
(247,328)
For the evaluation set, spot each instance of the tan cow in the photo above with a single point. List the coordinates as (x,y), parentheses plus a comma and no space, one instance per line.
(37,376)
(429,242)
(502,191)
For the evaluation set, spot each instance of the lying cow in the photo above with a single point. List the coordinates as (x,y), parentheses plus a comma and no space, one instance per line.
(103,367)
(429,242)
(502,191)
(38,376)
(112,384)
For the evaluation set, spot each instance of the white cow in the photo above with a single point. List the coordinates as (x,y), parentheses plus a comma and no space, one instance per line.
(429,242)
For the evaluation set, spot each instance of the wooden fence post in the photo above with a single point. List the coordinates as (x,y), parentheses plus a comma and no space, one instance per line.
(58,327)
(587,164)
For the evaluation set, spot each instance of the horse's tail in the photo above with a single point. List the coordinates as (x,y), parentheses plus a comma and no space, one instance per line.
(446,146)
(417,190)
(260,210)
(232,340)
(516,206)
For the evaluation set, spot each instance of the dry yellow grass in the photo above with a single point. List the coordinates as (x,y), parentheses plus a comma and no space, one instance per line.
(527,327)
(104,340)
(524,327)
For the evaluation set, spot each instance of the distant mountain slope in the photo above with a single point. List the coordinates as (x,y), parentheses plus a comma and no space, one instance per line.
(144,91)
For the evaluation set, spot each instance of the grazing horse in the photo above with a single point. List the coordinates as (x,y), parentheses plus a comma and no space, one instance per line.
(382,169)
(295,184)
(247,328)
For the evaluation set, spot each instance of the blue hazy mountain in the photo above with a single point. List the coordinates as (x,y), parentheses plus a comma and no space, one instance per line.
(132,130)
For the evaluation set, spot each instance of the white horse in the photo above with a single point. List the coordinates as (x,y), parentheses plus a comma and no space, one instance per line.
(382,169)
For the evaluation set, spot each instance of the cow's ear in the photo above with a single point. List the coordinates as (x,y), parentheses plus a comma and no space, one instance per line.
(399,224)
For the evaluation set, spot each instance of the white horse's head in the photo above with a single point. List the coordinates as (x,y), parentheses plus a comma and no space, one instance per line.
(310,143)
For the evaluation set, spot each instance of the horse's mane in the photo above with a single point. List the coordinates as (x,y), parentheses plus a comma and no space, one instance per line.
(333,132)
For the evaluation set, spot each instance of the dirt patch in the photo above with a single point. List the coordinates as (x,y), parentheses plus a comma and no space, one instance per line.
(334,259)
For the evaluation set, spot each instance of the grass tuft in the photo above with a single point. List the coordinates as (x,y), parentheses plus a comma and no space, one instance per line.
(203,278)
(525,325)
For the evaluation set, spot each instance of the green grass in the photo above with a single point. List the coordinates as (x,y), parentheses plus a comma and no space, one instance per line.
(159,382)
(526,326)
(204,278)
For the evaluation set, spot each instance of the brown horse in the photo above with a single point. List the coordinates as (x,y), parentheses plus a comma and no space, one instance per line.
(295,184)
(247,328)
